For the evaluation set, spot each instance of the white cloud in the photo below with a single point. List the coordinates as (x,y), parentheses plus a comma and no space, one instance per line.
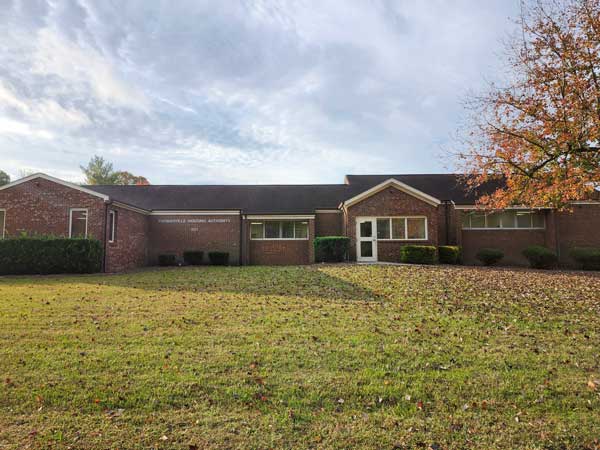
(44,112)
(13,127)
(82,66)
(240,91)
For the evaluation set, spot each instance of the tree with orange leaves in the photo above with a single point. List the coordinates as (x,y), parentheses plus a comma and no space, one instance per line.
(540,134)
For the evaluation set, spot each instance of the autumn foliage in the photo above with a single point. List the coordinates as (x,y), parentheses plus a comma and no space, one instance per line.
(540,132)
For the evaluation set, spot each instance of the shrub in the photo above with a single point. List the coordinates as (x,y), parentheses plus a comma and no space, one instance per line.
(540,257)
(193,258)
(489,256)
(449,254)
(47,255)
(218,258)
(331,248)
(588,258)
(418,254)
(167,260)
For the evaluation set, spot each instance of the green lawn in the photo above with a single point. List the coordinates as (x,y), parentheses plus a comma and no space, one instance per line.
(308,357)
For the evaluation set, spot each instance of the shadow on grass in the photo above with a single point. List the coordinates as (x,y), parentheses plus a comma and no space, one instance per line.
(305,281)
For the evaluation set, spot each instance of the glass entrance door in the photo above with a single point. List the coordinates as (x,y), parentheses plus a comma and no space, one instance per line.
(366,239)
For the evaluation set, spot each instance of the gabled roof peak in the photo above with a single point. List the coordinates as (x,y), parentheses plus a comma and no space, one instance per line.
(57,181)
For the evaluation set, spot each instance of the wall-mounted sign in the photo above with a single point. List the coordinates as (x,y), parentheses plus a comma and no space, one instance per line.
(194,220)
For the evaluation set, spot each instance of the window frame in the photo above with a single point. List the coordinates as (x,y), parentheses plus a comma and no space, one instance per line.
(112,226)
(3,224)
(502,227)
(406,238)
(264,238)
(87,219)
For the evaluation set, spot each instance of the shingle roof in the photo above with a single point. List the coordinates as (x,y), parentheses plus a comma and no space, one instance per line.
(280,199)
(441,186)
(251,199)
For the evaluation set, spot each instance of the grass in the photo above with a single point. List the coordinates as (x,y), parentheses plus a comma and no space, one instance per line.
(301,357)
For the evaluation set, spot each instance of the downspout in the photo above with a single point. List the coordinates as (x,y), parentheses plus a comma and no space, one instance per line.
(447,220)
(106,203)
(240,262)
(556,233)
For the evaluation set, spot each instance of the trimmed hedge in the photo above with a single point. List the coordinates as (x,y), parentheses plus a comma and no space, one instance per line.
(449,254)
(588,258)
(193,258)
(331,248)
(540,257)
(49,255)
(418,254)
(167,260)
(218,258)
(489,256)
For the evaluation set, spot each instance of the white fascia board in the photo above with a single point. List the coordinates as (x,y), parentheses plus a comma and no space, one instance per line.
(57,181)
(280,217)
(194,213)
(396,184)
(328,211)
(130,208)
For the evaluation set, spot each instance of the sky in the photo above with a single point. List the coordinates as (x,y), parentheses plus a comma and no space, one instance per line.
(240,91)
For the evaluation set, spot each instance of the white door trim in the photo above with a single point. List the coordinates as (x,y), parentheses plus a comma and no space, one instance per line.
(372,238)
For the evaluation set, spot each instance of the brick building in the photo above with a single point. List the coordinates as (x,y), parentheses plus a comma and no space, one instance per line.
(276,224)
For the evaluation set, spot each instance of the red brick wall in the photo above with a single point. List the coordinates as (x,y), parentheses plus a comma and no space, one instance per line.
(579,227)
(329,224)
(40,206)
(511,242)
(391,202)
(129,250)
(281,252)
(175,234)
(564,230)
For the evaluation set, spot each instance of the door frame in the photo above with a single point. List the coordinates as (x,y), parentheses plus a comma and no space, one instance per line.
(372,239)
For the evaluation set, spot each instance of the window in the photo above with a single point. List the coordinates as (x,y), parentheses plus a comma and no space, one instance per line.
(301,230)
(272,230)
(402,228)
(383,228)
(287,230)
(257,230)
(415,228)
(478,220)
(494,220)
(398,228)
(78,218)
(279,229)
(510,219)
(2,222)
(112,226)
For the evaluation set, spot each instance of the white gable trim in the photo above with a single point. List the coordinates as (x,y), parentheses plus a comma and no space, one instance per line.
(54,180)
(130,208)
(392,182)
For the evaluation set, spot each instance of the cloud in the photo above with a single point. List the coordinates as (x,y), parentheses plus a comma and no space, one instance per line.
(240,91)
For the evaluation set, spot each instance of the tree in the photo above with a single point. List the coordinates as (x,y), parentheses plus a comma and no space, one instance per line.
(4,178)
(100,171)
(128,178)
(540,134)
